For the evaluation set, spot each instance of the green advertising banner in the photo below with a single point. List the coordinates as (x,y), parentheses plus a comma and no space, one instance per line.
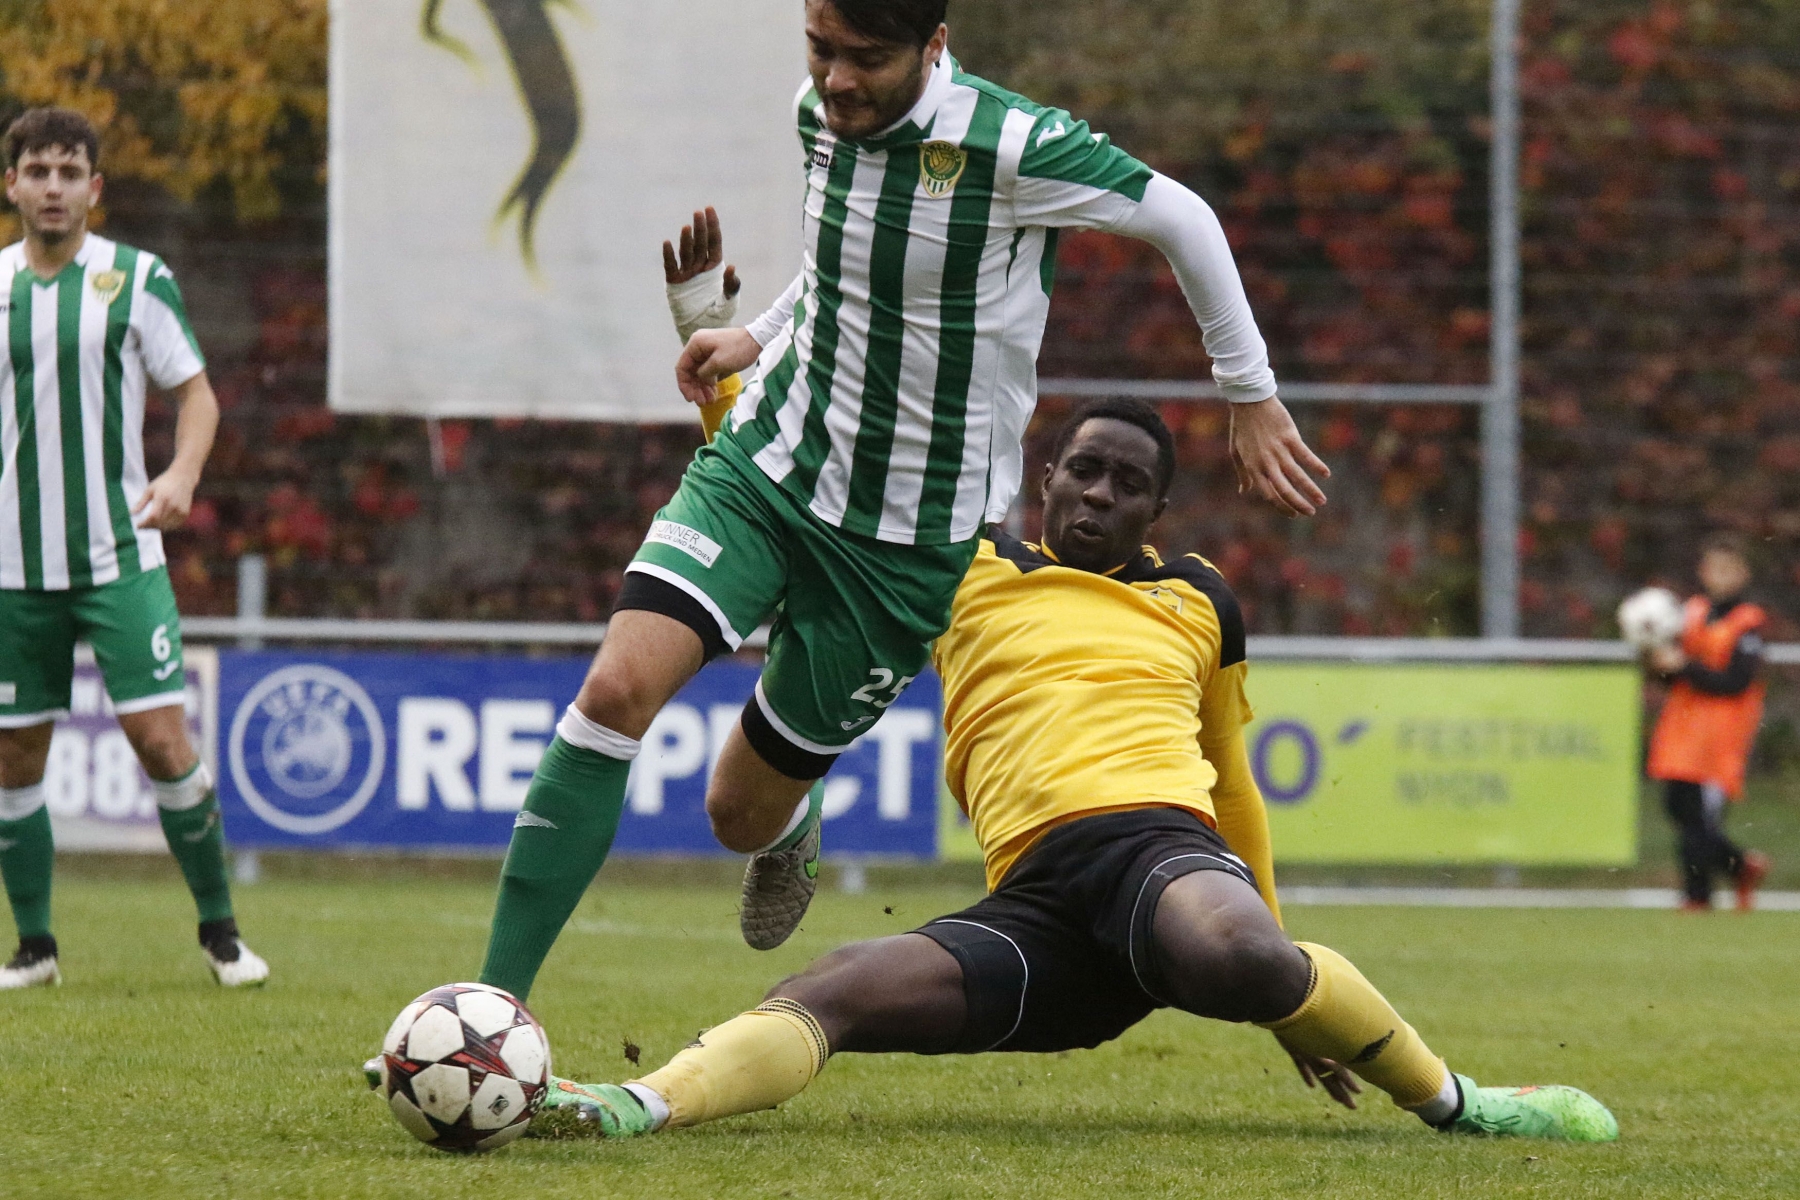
(1437,764)
(1476,763)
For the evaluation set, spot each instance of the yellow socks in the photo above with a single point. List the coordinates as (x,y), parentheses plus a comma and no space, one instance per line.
(1346,1020)
(760,1058)
(751,1062)
(713,415)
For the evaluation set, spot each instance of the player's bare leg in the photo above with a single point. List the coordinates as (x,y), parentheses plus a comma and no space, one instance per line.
(757,810)
(1219,953)
(562,835)
(188,808)
(27,855)
(644,661)
(748,801)
(901,994)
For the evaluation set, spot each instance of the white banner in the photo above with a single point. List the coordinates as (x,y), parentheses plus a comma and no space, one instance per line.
(503,175)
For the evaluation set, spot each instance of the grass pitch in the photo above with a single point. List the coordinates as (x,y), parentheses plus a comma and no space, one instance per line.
(140,1078)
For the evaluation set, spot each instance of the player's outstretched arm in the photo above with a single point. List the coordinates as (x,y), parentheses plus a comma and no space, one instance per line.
(1238,808)
(1271,458)
(166,503)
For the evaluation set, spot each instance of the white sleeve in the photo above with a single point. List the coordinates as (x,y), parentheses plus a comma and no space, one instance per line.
(1187,231)
(165,339)
(765,327)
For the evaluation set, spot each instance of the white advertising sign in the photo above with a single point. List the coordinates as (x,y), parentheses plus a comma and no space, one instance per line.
(503,175)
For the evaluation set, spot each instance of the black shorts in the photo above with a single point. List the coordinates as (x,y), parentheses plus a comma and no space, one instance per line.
(1059,956)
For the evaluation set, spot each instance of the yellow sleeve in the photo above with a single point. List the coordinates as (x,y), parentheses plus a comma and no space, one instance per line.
(712,416)
(1237,802)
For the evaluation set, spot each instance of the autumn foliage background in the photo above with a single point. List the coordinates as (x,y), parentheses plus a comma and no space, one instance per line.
(1344,144)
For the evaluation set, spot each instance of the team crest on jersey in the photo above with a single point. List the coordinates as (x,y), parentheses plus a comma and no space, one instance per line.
(108,285)
(940,166)
(1167,596)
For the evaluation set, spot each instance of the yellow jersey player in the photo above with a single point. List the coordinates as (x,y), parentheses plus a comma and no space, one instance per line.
(1094,711)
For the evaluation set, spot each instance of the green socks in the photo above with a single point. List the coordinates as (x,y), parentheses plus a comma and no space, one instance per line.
(26,857)
(189,810)
(559,840)
(806,815)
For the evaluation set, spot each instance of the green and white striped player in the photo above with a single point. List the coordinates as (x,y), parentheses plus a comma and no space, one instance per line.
(878,435)
(90,324)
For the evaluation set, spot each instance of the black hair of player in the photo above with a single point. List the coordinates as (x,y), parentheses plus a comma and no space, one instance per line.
(38,128)
(911,22)
(1132,412)
(1733,544)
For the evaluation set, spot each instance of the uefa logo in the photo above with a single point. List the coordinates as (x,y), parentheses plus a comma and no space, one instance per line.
(307,748)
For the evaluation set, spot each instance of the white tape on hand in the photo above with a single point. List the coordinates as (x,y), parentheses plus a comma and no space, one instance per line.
(701,303)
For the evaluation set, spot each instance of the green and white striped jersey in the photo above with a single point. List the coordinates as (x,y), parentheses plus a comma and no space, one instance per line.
(900,368)
(80,349)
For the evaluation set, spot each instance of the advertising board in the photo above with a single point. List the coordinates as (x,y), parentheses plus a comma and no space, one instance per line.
(432,751)
(1476,763)
(1437,764)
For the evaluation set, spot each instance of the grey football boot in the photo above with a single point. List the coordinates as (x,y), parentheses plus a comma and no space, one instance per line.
(780,881)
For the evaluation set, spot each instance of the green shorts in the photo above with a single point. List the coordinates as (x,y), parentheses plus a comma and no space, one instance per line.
(854,618)
(132,625)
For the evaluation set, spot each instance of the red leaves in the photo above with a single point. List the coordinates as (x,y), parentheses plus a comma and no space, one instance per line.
(296,524)
(1634,47)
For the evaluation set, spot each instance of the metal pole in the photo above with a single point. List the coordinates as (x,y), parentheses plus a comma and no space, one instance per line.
(253,595)
(253,607)
(1500,415)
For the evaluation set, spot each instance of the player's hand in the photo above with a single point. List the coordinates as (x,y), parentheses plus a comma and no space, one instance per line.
(1665,660)
(1339,1082)
(1273,461)
(710,356)
(702,249)
(166,503)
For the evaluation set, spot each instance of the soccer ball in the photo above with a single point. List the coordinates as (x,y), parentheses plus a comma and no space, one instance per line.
(1651,618)
(464,1067)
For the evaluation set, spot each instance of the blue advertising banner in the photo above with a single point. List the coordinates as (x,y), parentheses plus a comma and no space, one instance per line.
(433,750)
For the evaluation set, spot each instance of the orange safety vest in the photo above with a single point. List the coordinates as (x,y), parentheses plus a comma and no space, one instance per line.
(1702,738)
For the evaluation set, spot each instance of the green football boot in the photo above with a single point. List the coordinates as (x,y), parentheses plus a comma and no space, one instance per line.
(1560,1113)
(573,1109)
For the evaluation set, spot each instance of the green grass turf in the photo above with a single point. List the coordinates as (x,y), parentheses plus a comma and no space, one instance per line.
(139,1078)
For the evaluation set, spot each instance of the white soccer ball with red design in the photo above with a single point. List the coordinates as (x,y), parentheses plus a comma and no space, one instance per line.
(1651,618)
(464,1067)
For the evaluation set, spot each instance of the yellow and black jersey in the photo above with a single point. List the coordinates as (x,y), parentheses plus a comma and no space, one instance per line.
(1068,693)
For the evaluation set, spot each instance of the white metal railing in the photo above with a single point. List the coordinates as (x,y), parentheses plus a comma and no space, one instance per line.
(1299,393)
(337,629)
(534,633)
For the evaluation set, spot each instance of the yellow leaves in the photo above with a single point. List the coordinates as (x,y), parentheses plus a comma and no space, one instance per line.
(184,93)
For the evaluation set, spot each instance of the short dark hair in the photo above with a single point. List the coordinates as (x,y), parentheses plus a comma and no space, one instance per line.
(1726,543)
(37,128)
(1132,412)
(909,21)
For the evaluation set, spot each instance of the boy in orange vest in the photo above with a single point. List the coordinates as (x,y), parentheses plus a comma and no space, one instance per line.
(1703,738)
